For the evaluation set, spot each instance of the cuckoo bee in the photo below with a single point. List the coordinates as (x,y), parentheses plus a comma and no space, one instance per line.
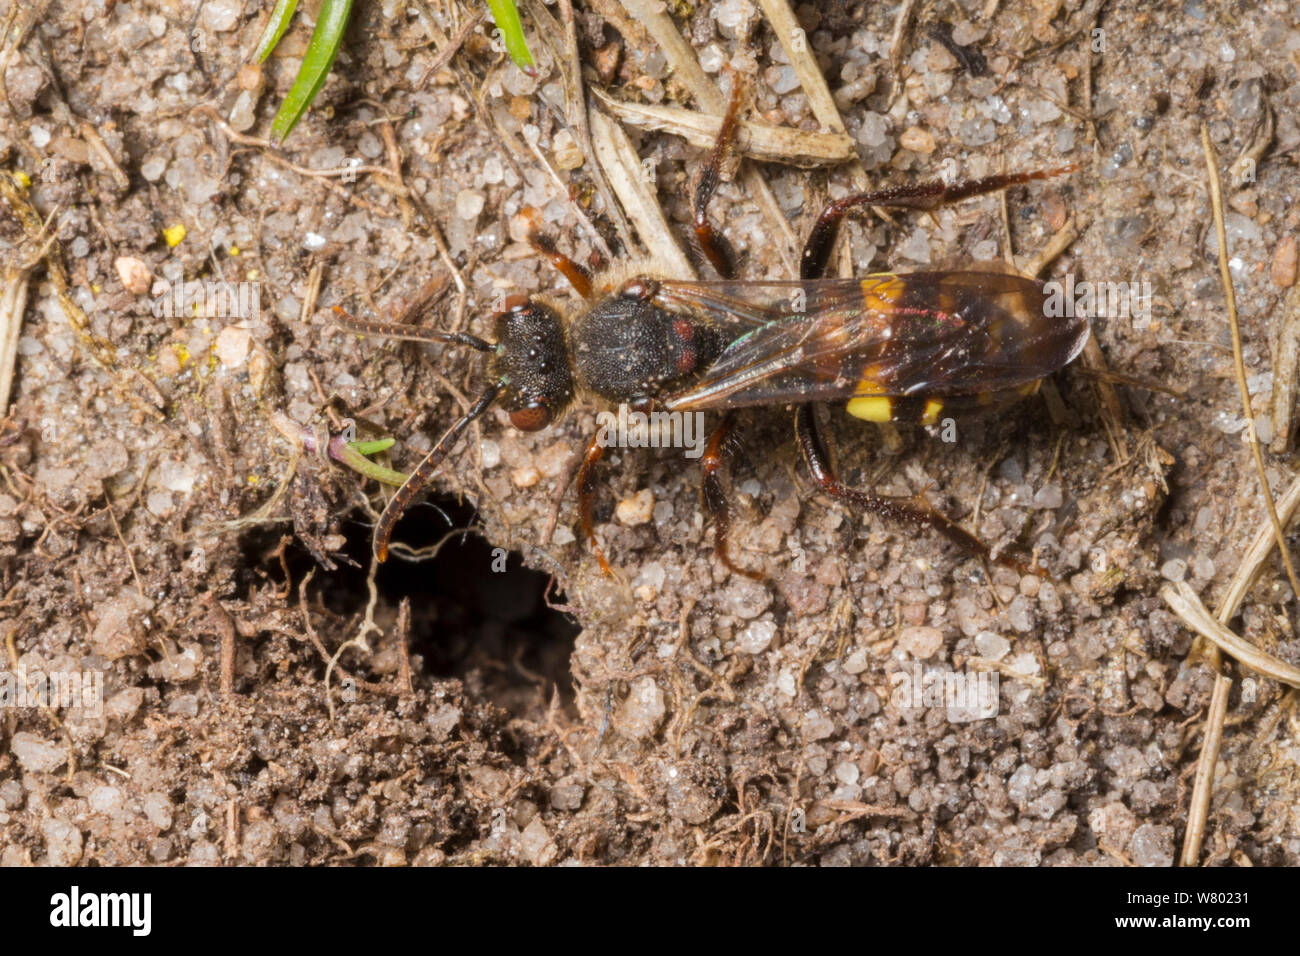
(891,347)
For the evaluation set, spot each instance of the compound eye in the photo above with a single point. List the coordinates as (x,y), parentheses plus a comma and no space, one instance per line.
(531,418)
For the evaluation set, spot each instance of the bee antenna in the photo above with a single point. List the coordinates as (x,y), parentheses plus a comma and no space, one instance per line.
(426,469)
(409,333)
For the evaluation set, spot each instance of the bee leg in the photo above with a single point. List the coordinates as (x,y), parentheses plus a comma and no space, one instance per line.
(425,471)
(586,490)
(915,511)
(931,195)
(711,241)
(713,463)
(545,247)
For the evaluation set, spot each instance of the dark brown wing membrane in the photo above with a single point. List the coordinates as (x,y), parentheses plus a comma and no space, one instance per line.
(940,333)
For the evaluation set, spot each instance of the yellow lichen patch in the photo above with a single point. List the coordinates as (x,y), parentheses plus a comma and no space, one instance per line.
(871,408)
(175,235)
(21,178)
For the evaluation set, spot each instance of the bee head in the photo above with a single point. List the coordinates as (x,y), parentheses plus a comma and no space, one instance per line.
(531,359)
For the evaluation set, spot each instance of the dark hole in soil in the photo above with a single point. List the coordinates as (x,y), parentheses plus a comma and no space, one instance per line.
(477,613)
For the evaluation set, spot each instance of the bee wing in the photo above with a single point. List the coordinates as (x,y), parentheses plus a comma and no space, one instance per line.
(736,305)
(941,333)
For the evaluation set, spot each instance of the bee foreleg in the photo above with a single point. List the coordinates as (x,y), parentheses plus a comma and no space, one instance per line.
(586,491)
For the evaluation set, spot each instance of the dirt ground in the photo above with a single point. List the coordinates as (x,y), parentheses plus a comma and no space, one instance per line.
(162,523)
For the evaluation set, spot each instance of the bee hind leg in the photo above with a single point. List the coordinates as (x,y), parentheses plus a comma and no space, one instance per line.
(914,511)
(821,239)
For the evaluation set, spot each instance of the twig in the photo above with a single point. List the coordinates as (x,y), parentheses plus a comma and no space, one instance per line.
(96,142)
(628,179)
(100,349)
(13,303)
(761,141)
(1197,616)
(326,176)
(813,83)
(130,558)
(1286,359)
(575,112)
(452,47)
(1055,246)
(232,828)
(1216,204)
(896,40)
(687,70)
(224,627)
(404,685)
(855,809)
(1256,554)
(1242,170)
(1199,808)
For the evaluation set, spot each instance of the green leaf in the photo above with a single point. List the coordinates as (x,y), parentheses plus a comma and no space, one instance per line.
(315,69)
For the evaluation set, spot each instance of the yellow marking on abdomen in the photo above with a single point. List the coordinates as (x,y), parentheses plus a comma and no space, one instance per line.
(871,408)
(880,293)
(933,407)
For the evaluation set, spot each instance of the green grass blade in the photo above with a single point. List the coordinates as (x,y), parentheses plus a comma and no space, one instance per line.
(506,17)
(275,28)
(358,462)
(374,447)
(315,69)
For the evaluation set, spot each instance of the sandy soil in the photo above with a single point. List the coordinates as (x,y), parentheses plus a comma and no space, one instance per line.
(158,524)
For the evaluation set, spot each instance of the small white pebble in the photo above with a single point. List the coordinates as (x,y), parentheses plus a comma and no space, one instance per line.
(469,204)
(134,274)
(1174,570)
(637,509)
(233,345)
(757,637)
(856,662)
(526,477)
(917,140)
(990,646)
(921,642)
